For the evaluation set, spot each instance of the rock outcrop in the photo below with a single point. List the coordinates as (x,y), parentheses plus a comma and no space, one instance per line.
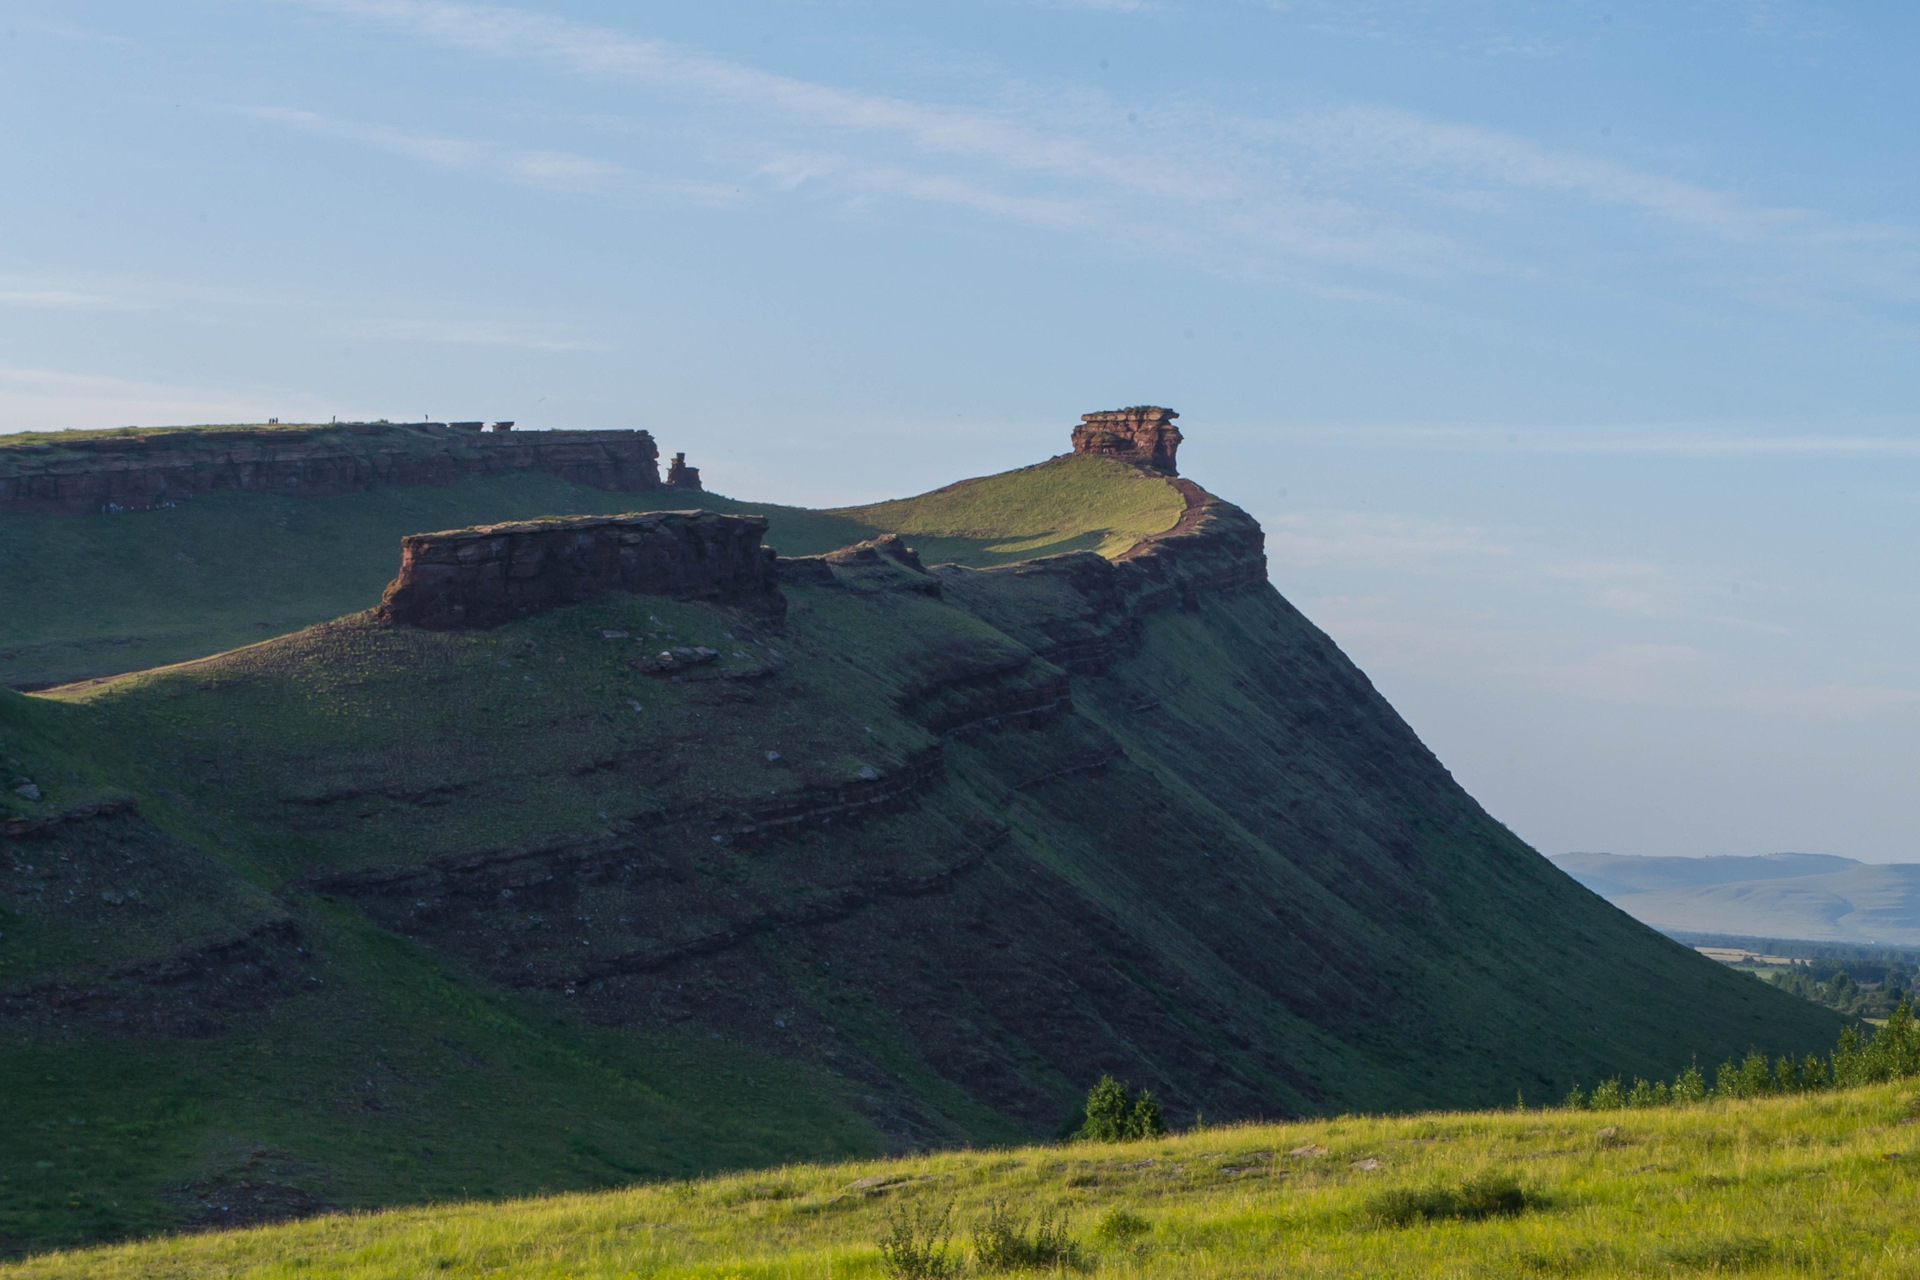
(74,473)
(1143,435)
(682,476)
(1079,610)
(482,577)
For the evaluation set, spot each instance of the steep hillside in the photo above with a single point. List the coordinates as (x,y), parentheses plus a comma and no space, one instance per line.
(886,855)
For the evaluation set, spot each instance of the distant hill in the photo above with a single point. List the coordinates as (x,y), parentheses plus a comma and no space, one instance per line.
(1811,896)
(1613,874)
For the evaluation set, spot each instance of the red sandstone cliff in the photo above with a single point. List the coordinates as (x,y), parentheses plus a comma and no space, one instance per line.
(1143,435)
(485,576)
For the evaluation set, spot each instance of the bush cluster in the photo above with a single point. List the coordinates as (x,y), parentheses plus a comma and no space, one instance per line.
(1487,1195)
(1116,1115)
(1870,989)
(1890,1053)
(1001,1242)
(918,1245)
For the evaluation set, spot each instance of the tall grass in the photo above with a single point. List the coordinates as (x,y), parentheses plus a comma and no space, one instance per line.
(1803,1184)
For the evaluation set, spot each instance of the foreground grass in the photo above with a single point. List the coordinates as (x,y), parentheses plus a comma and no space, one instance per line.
(1808,1185)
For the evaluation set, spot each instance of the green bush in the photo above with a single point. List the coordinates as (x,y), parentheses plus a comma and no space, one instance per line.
(1118,1224)
(1001,1241)
(1690,1085)
(1486,1195)
(1891,1053)
(916,1244)
(1116,1115)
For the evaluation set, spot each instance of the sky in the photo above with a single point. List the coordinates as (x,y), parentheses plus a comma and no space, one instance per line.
(1566,352)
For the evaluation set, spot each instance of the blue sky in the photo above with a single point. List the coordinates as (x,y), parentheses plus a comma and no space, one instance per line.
(1566,351)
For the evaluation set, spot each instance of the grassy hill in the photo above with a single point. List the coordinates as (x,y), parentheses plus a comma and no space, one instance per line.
(1812,897)
(1808,1185)
(104,593)
(365,915)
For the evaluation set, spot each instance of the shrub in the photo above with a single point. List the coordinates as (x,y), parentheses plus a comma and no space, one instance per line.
(1107,1108)
(1001,1241)
(916,1244)
(1891,1053)
(1485,1195)
(1736,1254)
(1690,1085)
(1116,1115)
(1118,1224)
(1144,1120)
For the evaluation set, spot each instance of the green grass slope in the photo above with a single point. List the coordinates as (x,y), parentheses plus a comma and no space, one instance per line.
(1810,1185)
(365,915)
(104,593)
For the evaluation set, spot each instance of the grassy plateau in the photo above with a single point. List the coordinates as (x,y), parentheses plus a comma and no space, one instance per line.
(1813,1185)
(103,593)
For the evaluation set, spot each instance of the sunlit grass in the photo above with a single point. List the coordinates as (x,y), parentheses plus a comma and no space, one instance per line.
(1806,1185)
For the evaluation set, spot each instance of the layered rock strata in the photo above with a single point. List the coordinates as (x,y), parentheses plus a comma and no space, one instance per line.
(485,576)
(79,472)
(1078,610)
(1143,435)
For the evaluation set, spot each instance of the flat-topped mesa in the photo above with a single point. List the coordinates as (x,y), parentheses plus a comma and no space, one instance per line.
(485,576)
(74,473)
(1143,435)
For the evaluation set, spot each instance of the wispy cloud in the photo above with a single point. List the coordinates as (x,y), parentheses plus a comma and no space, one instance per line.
(1329,199)
(554,170)
(66,300)
(1683,440)
(34,399)
(1361,541)
(473,333)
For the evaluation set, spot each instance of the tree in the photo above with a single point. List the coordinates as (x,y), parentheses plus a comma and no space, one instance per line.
(1114,1114)
(1107,1110)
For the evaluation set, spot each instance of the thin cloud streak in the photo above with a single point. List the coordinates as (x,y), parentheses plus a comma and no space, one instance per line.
(552,170)
(66,300)
(602,52)
(1629,442)
(33,399)
(1244,197)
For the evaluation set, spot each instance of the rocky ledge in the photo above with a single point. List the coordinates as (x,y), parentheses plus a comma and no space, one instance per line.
(491,574)
(1143,435)
(73,473)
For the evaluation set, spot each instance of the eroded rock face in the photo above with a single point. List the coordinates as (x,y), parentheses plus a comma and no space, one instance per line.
(682,476)
(484,576)
(81,473)
(1143,435)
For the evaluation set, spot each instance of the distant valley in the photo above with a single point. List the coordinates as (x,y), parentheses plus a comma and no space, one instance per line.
(1811,896)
